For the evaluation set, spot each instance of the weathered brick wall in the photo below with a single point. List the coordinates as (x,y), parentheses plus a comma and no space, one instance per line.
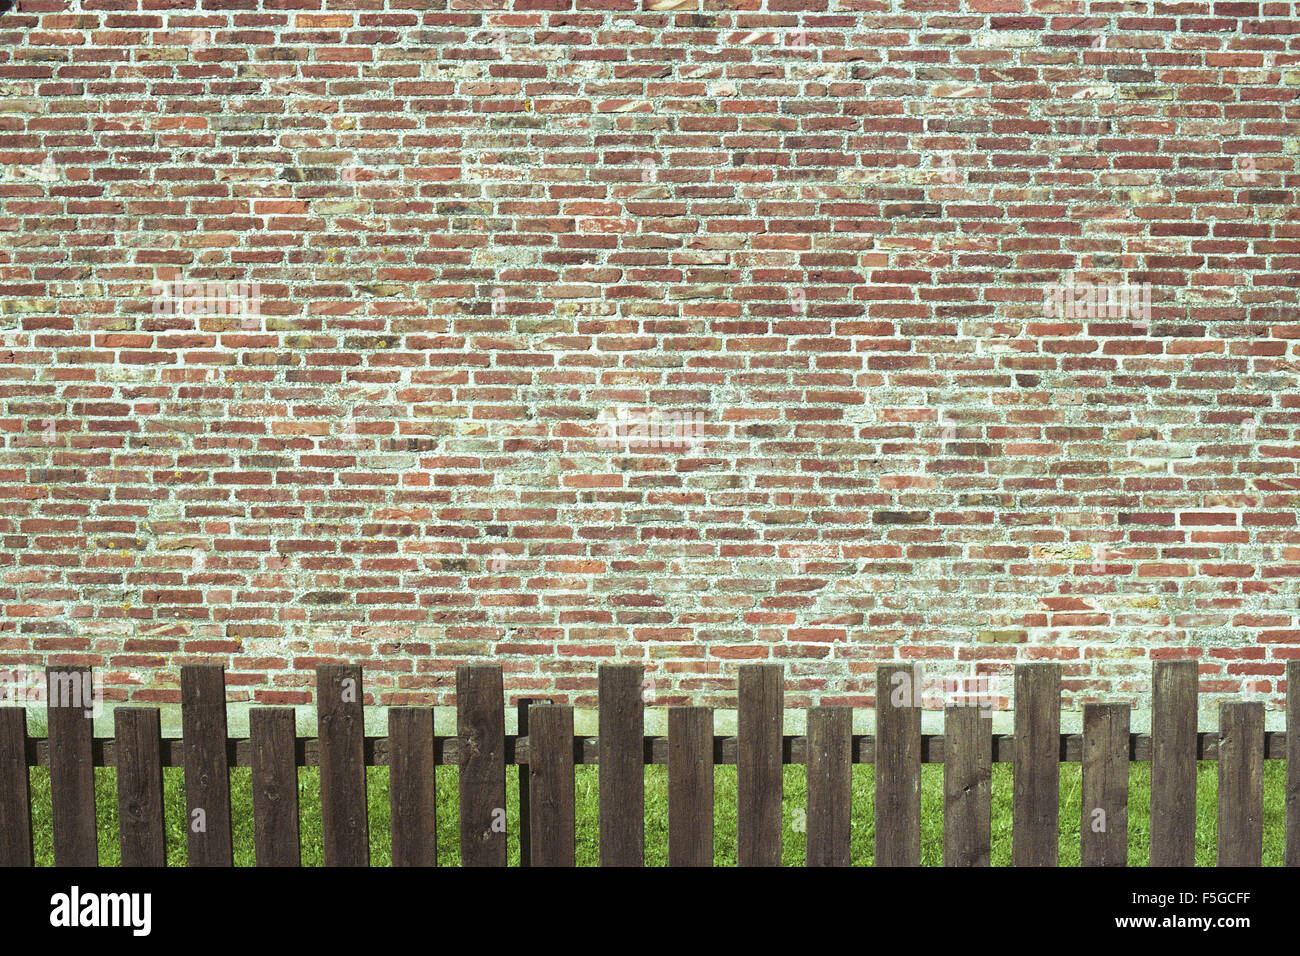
(559,331)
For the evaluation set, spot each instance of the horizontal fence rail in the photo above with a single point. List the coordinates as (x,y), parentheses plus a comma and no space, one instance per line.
(546,751)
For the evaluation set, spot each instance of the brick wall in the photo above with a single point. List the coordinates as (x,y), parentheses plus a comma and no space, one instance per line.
(560,331)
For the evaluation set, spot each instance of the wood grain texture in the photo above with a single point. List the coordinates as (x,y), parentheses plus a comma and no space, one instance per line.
(1292,852)
(72,774)
(345,820)
(829,785)
(759,785)
(898,766)
(690,786)
(412,789)
(1035,808)
(1241,783)
(550,769)
(622,765)
(207,773)
(1103,825)
(1173,763)
(138,733)
(15,790)
(480,730)
(275,787)
(967,787)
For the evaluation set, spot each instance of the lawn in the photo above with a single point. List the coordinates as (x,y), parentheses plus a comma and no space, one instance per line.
(656,814)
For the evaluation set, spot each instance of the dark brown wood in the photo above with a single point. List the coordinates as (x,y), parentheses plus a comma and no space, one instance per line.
(1292,852)
(207,772)
(1035,809)
(898,765)
(967,787)
(690,786)
(1104,805)
(1173,763)
(522,707)
(550,769)
(1241,783)
(1291,855)
(345,820)
(412,788)
(480,730)
(15,790)
(138,733)
(622,765)
(70,703)
(830,785)
(275,787)
(758,765)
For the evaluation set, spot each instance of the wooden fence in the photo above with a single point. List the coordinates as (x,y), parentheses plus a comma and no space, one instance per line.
(547,747)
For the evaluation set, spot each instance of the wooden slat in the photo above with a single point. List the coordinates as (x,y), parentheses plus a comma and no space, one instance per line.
(1173,763)
(550,771)
(1035,810)
(690,786)
(345,821)
(480,729)
(898,766)
(1104,805)
(412,787)
(830,785)
(72,774)
(275,787)
(522,706)
(622,766)
(967,787)
(758,765)
(1241,783)
(15,790)
(207,774)
(1292,852)
(138,733)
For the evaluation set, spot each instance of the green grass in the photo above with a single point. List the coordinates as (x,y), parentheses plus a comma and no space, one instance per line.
(656,815)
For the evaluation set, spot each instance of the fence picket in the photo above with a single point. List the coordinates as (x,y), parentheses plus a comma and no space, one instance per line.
(1173,763)
(830,785)
(138,737)
(1104,805)
(275,787)
(412,790)
(207,771)
(1241,783)
(72,771)
(550,771)
(1036,785)
(758,765)
(1292,798)
(15,790)
(690,786)
(898,766)
(345,824)
(622,765)
(967,786)
(480,730)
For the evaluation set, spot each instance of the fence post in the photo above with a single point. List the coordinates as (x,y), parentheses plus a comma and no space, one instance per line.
(1103,832)
(1036,786)
(207,771)
(1173,763)
(72,771)
(15,791)
(898,765)
(690,786)
(275,787)
(621,768)
(758,765)
(345,821)
(967,786)
(1241,783)
(480,732)
(140,786)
